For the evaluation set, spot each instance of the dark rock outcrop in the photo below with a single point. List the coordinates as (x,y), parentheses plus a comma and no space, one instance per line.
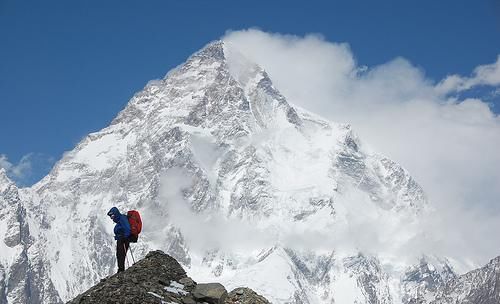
(159,278)
(245,296)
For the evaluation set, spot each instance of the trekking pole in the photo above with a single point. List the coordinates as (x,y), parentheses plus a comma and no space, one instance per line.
(125,248)
(132,254)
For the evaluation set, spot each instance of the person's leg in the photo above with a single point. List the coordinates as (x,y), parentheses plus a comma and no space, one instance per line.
(120,254)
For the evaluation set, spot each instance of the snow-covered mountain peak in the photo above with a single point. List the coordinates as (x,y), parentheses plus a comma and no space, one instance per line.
(215,81)
(221,168)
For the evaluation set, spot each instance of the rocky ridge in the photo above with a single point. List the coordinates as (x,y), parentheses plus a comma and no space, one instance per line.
(159,278)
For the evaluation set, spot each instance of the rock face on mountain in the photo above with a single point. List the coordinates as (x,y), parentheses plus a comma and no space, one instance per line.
(23,276)
(231,180)
(481,286)
(14,243)
(423,280)
(159,278)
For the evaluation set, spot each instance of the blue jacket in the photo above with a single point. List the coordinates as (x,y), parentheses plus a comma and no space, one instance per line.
(122,227)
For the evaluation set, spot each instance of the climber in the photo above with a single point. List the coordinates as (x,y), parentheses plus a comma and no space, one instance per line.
(122,234)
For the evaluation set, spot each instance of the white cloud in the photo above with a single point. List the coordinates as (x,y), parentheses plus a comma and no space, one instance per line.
(488,74)
(4,162)
(207,229)
(17,171)
(451,146)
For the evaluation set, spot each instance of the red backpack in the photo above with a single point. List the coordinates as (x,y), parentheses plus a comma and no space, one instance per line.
(134,219)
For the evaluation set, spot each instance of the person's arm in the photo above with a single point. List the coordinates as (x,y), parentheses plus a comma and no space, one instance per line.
(118,231)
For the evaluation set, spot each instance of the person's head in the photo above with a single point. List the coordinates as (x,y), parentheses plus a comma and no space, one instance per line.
(114,214)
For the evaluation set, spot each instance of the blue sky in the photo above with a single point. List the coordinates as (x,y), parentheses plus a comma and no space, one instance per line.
(68,67)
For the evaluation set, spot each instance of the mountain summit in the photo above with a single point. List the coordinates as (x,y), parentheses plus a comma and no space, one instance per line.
(236,184)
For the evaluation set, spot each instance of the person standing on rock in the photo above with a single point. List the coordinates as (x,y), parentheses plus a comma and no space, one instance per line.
(122,234)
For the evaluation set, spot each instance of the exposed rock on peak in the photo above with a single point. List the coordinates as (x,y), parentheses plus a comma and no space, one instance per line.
(213,50)
(480,286)
(159,278)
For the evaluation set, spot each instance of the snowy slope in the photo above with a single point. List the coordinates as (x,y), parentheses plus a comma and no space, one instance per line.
(236,184)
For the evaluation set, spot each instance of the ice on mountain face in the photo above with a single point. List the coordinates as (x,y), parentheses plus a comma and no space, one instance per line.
(290,197)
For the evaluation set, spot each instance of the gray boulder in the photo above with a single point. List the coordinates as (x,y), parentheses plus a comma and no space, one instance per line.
(213,293)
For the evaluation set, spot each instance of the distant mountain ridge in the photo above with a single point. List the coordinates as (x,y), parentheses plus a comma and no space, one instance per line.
(249,157)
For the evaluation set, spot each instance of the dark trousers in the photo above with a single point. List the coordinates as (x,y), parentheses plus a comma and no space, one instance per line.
(121,252)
